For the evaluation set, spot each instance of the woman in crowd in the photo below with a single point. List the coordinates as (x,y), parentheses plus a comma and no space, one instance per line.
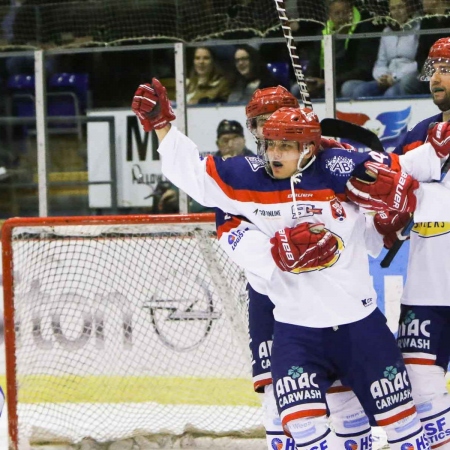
(251,74)
(206,83)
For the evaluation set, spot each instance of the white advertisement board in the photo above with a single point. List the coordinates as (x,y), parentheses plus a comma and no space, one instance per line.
(136,155)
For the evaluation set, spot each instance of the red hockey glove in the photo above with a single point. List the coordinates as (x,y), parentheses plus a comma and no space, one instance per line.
(304,246)
(389,224)
(152,106)
(391,191)
(439,138)
(333,143)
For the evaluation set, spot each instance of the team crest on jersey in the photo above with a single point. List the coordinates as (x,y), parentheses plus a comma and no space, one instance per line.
(337,210)
(340,165)
(303,210)
(255,162)
(431,229)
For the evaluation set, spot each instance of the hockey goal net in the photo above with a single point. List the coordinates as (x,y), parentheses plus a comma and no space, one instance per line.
(124,329)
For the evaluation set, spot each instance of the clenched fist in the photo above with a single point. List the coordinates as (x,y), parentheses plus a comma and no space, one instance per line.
(439,138)
(332,143)
(391,191)
(152,106)
(305,246)
(389,224)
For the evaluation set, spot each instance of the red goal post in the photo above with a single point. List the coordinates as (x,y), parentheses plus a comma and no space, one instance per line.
(124,328)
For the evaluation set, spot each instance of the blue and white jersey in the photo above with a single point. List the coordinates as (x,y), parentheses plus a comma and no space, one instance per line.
(342,292)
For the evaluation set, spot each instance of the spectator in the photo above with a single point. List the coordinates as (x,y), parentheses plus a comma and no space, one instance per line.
(354,58)
(309,23)
(437,17)
(230,142)
(206,83)
(251,74)
(396,57)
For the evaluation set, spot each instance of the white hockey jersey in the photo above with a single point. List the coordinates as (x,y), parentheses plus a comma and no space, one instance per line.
(337,294)
(237,230)
(428,276)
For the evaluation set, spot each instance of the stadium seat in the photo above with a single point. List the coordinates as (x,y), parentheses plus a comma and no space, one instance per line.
(280,70)
(78,83)
(21,98)
(68,95)
(20,101)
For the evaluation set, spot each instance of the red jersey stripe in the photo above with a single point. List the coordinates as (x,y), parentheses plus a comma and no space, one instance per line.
(262,197)
(396,417)
(305,413)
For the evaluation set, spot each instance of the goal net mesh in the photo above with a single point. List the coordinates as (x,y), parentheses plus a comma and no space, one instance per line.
(126,330)
(65,23)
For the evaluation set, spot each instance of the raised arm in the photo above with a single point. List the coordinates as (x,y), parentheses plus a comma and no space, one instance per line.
(180,158)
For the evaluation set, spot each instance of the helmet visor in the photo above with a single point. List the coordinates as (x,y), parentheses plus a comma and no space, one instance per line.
(279,150)
(255,125)
(433,65)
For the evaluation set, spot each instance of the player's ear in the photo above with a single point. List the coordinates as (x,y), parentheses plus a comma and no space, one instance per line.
(311,149)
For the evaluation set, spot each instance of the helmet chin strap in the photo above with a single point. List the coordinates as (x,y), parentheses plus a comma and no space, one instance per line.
(296,177)
(303,154)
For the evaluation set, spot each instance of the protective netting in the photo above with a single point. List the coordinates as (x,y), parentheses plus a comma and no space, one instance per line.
(128,330)
(37,24)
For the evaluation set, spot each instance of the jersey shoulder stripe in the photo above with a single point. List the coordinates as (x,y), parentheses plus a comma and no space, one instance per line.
(275,191)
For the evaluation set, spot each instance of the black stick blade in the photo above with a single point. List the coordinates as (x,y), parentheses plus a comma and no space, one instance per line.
(343,129)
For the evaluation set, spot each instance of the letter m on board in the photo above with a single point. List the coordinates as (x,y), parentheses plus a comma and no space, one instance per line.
(134,133)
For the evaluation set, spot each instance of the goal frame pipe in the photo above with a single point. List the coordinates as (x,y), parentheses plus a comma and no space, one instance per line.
(8,283)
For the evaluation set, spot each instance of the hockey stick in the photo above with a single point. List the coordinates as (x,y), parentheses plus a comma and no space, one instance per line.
(292,49)
(347,130)
(390,255)
(330,127)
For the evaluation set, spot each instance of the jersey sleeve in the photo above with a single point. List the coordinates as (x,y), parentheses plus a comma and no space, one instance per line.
(182,165)
(422,163)
(416,136)
(248,247)
(373,239)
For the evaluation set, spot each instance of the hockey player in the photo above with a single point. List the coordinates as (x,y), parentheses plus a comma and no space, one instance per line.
(424,328)
(349,421)
(327,325)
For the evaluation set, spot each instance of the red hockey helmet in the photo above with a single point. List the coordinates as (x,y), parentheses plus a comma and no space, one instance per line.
(268,100)
(293,124)
(439,53)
